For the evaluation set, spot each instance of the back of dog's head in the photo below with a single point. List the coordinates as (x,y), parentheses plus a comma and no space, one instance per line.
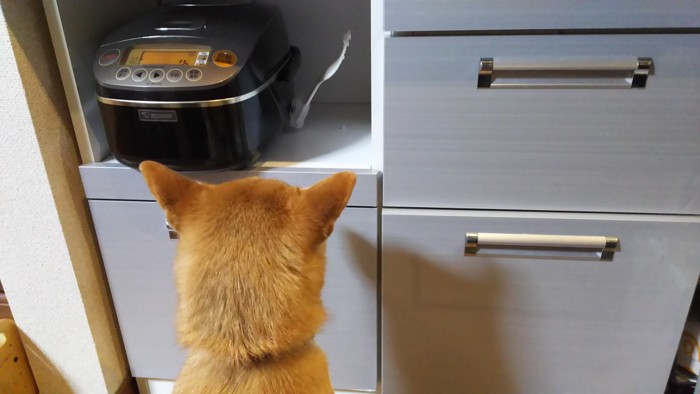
(251,259)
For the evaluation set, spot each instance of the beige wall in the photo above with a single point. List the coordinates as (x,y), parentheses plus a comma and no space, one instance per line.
(49,263)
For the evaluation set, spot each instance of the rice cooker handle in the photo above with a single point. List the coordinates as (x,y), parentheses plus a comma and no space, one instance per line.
(292,67)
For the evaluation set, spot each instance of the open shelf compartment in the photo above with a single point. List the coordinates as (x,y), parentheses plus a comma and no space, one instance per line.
(339,130)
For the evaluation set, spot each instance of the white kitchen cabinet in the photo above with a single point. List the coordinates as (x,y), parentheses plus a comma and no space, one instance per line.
(527,119)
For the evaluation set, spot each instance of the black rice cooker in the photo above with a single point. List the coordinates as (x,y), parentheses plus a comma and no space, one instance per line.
(196,87)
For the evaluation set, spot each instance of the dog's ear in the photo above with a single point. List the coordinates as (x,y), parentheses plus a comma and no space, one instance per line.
(172,190)
(327,199)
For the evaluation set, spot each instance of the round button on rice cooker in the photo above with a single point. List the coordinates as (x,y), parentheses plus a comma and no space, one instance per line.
(122,73)
(157,75)
(224,58)
(194,74)
(109,57)
(174,75)
(139,75)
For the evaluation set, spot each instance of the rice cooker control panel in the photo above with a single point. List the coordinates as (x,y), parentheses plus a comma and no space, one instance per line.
(165,65)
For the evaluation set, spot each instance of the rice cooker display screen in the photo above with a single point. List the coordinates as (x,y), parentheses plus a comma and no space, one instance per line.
(175,57)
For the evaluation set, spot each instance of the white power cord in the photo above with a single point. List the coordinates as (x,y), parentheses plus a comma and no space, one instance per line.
(300,109)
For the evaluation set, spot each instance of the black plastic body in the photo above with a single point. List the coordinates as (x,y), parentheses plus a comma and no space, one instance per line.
(223,137)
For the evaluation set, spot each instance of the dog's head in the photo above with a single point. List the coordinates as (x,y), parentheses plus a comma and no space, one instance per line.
(251,259)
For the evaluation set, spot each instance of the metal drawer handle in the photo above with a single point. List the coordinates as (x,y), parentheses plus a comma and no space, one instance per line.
(508,73)
(172,233)
(605,245)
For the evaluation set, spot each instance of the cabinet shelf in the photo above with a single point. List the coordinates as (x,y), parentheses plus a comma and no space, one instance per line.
(335,136)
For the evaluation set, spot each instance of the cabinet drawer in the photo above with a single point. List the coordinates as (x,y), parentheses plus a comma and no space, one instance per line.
(450,144)
(138,258)
(114,181)
(431,15)
(495,323)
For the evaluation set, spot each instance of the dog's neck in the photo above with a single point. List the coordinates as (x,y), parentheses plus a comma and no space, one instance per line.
(273,357)
(253,361)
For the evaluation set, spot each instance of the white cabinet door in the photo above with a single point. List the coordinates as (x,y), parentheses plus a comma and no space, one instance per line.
(138,258)
(529,320)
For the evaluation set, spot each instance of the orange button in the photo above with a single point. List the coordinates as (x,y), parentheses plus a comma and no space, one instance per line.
(224,58)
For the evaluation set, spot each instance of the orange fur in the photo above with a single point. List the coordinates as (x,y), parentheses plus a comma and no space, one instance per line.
(249,272)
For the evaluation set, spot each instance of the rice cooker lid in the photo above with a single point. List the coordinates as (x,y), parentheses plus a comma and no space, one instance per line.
(193,53)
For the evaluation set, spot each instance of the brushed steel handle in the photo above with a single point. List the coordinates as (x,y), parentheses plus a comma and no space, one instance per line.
(172,233)
(606,246)
(511,73)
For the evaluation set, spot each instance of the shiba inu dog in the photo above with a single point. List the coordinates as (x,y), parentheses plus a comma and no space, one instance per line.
(249,272)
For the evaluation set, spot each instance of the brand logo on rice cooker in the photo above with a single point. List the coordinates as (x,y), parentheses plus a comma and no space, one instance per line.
(150,115)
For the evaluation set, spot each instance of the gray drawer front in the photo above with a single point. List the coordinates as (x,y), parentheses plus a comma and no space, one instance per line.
(432,15)
(490,324)
(449,144)
(114,181)
(138,258)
